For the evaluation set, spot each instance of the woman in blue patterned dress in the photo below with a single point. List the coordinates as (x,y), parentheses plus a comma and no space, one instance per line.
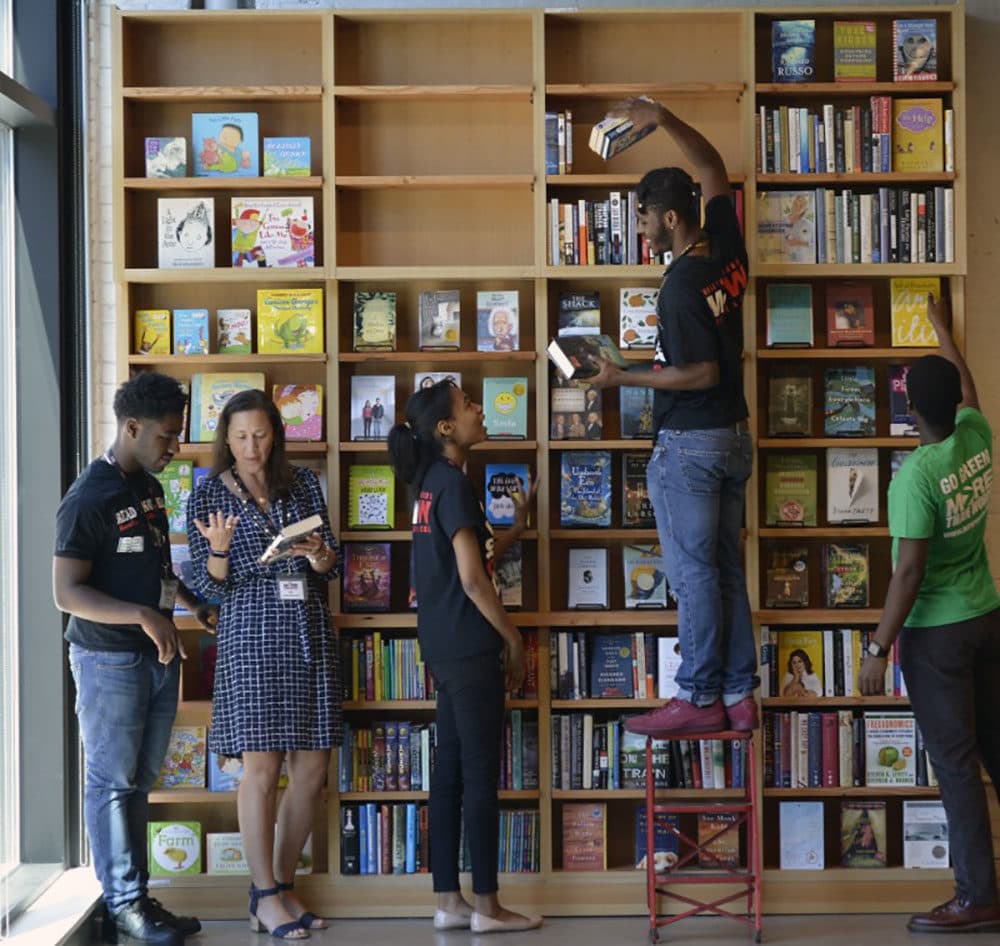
(277,677)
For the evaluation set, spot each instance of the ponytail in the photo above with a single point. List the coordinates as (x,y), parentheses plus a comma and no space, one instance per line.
(414,445)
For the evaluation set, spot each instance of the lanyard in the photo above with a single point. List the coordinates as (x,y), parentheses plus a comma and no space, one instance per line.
(263,520)
(156,535)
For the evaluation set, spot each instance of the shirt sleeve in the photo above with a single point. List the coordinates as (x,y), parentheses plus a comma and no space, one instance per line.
(970,419)
(202,583)
(723,229)
(458,507)
(80,529)
(912,505)
(690,333)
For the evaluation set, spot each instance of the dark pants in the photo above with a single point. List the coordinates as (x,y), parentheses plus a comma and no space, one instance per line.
(470,713)
(953,678)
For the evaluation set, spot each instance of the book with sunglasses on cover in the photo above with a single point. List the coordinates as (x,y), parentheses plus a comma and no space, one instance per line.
(290,535)
(578,356)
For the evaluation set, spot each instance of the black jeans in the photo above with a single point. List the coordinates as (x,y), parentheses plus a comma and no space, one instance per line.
(953,678)
(470,713)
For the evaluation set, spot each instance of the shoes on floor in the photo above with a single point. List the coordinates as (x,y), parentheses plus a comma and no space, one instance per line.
(957,916)
(679,716)
(480,923)
(136,923)
(443,920)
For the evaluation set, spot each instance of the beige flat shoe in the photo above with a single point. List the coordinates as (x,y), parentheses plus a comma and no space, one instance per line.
(443,920)
(480,923)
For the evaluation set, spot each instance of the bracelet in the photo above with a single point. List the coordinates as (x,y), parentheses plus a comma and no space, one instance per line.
(215,553)
(321,556)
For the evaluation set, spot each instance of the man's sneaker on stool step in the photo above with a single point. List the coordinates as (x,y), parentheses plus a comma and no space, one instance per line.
(679,716)
(137,923)
(743,716)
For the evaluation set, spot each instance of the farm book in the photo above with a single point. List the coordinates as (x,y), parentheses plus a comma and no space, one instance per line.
(440,320)
(911,327)
(371,496)
(374,321)
(862,833)
(185,232)
(852,490)
(497,320)
(290,321)
(578,356)
(301,410)
(367,575)
(850,315)
(585,488)
(295,532)
(915,50)
(505,408)
(273,231)
(790,489)
(225,144)
(174,848)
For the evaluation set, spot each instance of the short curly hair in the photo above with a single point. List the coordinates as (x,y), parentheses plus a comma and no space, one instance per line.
(668,189)
(149,395)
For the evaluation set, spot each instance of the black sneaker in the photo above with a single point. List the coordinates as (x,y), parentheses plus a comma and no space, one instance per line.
(185,925)
(135,924)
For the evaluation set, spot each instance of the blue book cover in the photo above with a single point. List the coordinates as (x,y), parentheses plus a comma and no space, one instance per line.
(666,844)
(411,837)
(551,143)
(225,144)
(224,773)
(505,408)
(363,839)
(502,481)
(636,411)
(611,667)
(585,488)
(287,157)
(915,43)
(793,50)
(200,473)
(190,331)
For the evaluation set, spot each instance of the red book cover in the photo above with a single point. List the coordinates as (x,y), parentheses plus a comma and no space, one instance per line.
(831,755)
(423,846)
(696,764)
(507,769)
(850,315)
(367,572)
(786,750)
(385,838)
(530,686)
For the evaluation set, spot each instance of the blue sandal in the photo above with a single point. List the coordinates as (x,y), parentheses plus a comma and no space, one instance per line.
(308,920)
(286,930)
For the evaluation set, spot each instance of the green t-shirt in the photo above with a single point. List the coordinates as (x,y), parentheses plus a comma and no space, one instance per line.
(942,494)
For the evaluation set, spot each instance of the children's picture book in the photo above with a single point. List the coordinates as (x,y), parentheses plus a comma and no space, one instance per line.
(854,43)
(635,412)
(587,578)
(224,772)
(371,496)
(786,227)
(584,836)
(190,331)
(908,305)
(790,489)
(579,313)
(637,508)
(576,412)
(801,829)
(180,565)
(719,840)
(787,578)
(915,50)
(666,844)
(440,320)
(890,749)
(273,231)
(849,408)
(185,232)
(225,144)
(611,667)
(497,320)
(850,315)
(508,576)
(505,408)
(224,853)
(427,379)
(845,575)
(789,404)
(579,356)
(793,51)
(301,410)
(174,848)
(917,135)
(901,422)
(233,331)
(151,332)
(184,763)
(637,317)
(800,664)
(209,393)
(862,833)
(166,157)
(373,406)
(177,481)
(585,488)
(287,157)
(925,834)
(503,481)
(852,485)
(789,315)
(290,321)
(367,572)
(374,321)
(645,579)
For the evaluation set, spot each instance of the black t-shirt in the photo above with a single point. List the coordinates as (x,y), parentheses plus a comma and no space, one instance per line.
(98,521)
(449,625)
(700,318)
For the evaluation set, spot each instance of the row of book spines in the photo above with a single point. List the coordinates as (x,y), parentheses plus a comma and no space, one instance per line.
(570,657)
(826,750)
(559,142)
(377,669)
(852,140)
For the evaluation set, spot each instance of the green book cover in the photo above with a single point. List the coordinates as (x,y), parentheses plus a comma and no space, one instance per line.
(505,406)
(371,497)
(174,848)
(790,485)
(177,480)
(789,315)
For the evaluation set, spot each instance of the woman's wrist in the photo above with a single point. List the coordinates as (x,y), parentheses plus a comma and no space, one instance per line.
(218,553)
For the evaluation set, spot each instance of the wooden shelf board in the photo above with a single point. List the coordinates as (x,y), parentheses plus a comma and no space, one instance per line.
(435,274)
(420,705)
(361,446)
(854,270)
(317,449)
(246,93)
(641,445)
(672,794)
(841,177)
(395,619)
(222,183)
(865,791)
(421,357)
(624,89)
(822,532)
(239,274)
(222,360)
(626,534)
(583,273)
(841,617)
(405,535)
(781,443)
(597,704)
(433,181)
(839,354)
(505,794)
(632,617)
(379,93)
(852,89)
(613,180)
(819,703)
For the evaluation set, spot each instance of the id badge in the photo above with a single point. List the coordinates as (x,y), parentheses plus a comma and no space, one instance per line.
(168,593)
(292,587)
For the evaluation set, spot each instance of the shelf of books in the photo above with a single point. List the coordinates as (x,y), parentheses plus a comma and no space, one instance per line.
(407,196)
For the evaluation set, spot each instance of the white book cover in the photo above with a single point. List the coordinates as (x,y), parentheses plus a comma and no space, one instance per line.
(668,662)
(852,485)
(637,317)
(427,379)
(185,232)
(925,834)
(801,829)
(890,749)
(224,853)
(587,578)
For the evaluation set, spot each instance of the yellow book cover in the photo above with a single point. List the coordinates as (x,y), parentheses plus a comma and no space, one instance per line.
(800,663)
(853,51)
(209,393)
(290,321)
(152,332)
(917,135)
(910,326)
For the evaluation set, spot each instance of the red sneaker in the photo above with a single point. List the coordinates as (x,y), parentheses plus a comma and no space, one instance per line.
(679,716)
(743,716)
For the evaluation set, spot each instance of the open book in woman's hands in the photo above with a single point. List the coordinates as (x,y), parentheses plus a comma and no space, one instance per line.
(291,535)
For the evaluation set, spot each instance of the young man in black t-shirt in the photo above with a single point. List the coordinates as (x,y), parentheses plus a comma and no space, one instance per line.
(701,456)
(112,574)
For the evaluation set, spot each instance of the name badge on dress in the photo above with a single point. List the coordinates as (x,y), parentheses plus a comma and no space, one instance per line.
(168,593)
(292,587)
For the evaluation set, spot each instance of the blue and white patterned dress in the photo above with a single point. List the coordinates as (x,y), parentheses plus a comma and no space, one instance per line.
(277,675)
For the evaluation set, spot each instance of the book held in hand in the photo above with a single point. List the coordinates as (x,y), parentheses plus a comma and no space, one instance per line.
(614,133)
(578,356)
(281,545)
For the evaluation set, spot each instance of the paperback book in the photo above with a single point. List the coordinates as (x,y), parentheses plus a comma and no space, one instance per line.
(915,49)
(801,830)
(287,157)
(587,578)
(645,579)
(635,411)
(273,232)
(233,331)
(918,137)
(854,43)
(800,663)
(849,409)
(584,836)
(579,314)
(850,315)
(371,496)
(637,508)
(579,356)
(585,488)
(786,226)
(301,410)
(503,482)
(367,574)
(611,667)
(666,843)
(793,51)
(290,321)
(505,408)
(925,834)
(789,315)
(719,840)
(637,317)
(790,489)
(497,321)
(576,410)
(225,144)
(890,749)
(185,232)
(374,321)
(440,320)
(845,575)
(151,332)
(862,833)
(911,328)
(508,572)
(615,133)
(787,578)
(373,406)
(166,157)
(852,490)
(668,663)
(789,404)
(901,422)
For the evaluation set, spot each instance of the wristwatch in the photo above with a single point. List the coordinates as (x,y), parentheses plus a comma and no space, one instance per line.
(876,649)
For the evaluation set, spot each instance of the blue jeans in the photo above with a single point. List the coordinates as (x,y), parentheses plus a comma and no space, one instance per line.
(126,703)
(697,484)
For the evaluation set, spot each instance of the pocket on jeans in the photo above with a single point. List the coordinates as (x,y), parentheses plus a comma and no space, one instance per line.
(117,659)
(701,470)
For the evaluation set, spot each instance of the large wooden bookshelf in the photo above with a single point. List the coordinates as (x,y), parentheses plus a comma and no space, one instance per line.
(428,172)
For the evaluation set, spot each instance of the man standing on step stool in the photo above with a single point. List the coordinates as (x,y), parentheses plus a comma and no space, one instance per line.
(701,458)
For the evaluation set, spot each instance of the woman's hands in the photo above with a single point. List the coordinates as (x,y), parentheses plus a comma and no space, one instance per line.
(219,531)
(314,548)
(513,661)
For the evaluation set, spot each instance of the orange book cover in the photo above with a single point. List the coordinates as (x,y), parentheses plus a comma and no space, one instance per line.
(584,829)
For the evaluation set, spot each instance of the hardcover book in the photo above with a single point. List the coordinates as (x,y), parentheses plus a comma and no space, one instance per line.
(788,578)
(301,410)
(224,773)
(373,406)
(508,571)
(645,579)
(786,227)
(917,136)
(184,763)
(497,321)
(174,848)
(190,331)
(233,331)
(505,408)
(890,749)
(862,833)
(585,488)
(579,313)
(845,575)
(637,508)
(224,853)
(925,834)
(587,578)
(635,406)
(800,663)
(611,667)
(290,536)
(575,410)
(801,829)
(350,851)
(367,576)
(287,157)
(152,332)
(849,409)
(503,481)
(578,356)
(209,393)
(789,315)
(440,320)
(901,423)
(915,45)
(166,157)
(185,232)
(666,844)
(637,317)
(290,321)
(177,480)
(615,133)
(632,760)
(273,231)
(371,497)
(375,321)
(180,565)
(910,326)
(789,405)
(427,379)
(850,315)
(718,840)
(225,144)
(793,51)
(854,44)
(584,836)
(852,488)
(790,489)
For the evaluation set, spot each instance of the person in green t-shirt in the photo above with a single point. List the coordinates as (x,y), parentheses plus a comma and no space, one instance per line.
(942,601)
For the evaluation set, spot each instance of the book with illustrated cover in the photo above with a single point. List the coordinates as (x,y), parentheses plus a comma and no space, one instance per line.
(497,320)
(786,227)
(637,317)
(925,834)
(209,393)
(373,406)
(668,663)
(174,848)
(177,480)
(579,314)
(371,497)
(850,315)
(273,231)
(632,760)
(666,844)
(224,853)
(911,328)
(611,667)
(427,379)
(790,489)
(224,773)
(578,356)
(166,157)
(918,137)
(576,410)
(367,575)
(587,578)
(801,829)
(295,532)
(503,481)
(789,404)
(374,321)
(301,410)
(789,315)
(635,408)
(845,575)
(287,157)
(151,332)
(508,576)
(901,422)
(854,44)
(787,578)
(190,331)
(440,320)
(585,488)
(184,763)
(181,566)
(890,748)
(852,490)
(793,51)
(584,836)
(637,508)
(849,409)
(225,144)
(915,50)
(234,331)
(290,321)
(862,833)
(185,232)
(719,835)
(505,408)
(645,579)
(800,664)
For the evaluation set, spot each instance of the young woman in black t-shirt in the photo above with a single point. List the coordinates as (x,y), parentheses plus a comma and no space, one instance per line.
(469,642)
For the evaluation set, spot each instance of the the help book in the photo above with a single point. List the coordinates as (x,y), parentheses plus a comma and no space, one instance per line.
(578,356)
(290,535)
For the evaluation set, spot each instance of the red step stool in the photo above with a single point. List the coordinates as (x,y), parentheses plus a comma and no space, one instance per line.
(748,877)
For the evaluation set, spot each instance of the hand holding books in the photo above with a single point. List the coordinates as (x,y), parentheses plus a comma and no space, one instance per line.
(626,123)
(299,538)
